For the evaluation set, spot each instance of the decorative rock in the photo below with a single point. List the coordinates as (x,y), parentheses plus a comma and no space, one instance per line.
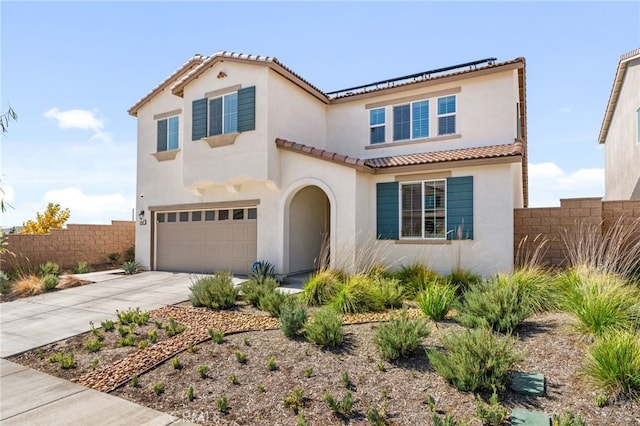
(531,384)
(522,417)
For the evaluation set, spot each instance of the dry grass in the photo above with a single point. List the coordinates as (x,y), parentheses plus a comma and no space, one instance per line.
(29,285)
(70,281)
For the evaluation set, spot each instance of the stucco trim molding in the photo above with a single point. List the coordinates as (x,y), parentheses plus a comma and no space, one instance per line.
(413,142)
(167,155)
(205,206)
(221,140)
(424,242)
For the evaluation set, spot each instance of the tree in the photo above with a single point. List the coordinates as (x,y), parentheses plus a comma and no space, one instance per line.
(54,217)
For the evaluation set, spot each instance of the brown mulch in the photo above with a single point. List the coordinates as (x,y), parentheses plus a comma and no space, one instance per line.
(400,389)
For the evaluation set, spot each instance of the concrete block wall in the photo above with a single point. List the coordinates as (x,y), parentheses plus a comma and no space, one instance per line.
(574,218)
(67,247)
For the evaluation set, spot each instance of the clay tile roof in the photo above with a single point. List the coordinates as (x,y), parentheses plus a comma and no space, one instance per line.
(494,151)
(372,164)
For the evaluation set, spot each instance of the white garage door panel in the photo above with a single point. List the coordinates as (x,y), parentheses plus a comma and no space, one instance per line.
(206,246)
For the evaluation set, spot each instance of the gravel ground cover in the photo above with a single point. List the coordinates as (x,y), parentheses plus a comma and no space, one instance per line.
(399,389)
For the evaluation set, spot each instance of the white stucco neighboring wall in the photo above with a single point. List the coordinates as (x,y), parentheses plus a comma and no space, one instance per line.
(621,146)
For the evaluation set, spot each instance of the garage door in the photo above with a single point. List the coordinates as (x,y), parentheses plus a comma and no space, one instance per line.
(206,240)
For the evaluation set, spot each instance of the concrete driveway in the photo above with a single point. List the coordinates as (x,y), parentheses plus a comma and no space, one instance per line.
(31,397)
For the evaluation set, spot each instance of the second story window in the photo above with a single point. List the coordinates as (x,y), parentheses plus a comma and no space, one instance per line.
(447,115)
(168,134)
(411,121)
(376,122)
(223,114)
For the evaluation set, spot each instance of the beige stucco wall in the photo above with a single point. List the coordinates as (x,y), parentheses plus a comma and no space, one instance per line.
(621,147)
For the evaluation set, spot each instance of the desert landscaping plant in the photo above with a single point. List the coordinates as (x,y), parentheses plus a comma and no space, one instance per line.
(568,419)
(158,388)
(203,371)
(108,325)
(261,271)
(293,317)
(272,301)
(320,289)
(493,413)
(114,257)
(253,290)
(49,282)
(388,291)
(93,345)
(356,294)
(476,359)
(222,403)
(133,316)
(241,357)
(340,407)
(415,278)
(325,329)
(131,267)
(214,292)
(295,400)
(49,268)
(216,335)
(436,300)
(173,328)
(82,268)
(400,336)
(271,364)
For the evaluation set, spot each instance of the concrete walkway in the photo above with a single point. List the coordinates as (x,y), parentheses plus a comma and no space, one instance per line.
(31,397)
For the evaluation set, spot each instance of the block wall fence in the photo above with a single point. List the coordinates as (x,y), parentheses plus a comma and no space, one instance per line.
(67,247)
(573,217)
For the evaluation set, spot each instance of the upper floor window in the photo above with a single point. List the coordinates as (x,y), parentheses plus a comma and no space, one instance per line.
(411,121)
(447,115)
(168,134)
(423,211)
(377,125)
(223,114)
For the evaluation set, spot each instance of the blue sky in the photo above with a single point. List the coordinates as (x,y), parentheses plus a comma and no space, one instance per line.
(72,69)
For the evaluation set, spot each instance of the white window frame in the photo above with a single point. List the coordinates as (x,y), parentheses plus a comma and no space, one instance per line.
(422,210)
(447,114)
(374,126)
(411,116)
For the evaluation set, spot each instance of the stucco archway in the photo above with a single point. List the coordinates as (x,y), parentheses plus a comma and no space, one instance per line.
(309,229)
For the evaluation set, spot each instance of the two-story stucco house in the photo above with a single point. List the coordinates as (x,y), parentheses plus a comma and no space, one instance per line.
(620,132)
(241,159)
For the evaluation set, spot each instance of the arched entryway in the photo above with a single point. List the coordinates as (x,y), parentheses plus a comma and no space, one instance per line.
(309,229)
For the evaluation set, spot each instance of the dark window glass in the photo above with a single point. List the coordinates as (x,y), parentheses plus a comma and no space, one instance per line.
(171,217)
(210,215)
(196,216)
(184,216)
(238,214)
(401,122)
(223,215)
(160,217)
(252,214)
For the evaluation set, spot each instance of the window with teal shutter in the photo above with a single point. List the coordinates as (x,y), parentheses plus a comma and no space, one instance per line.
(199,119)
(162,136)
(233,112)
(247,109)
(460,208)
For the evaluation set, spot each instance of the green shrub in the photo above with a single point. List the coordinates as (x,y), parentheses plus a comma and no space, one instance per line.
(253,290)
(272,301)
(476,359)
(133,316)
(320,289)
(93,345)
(612,364)
(293,317)
(135,381)
(436,300)
(400,336)
(262,271)
(114,257)
(131,267)
(82,268)
(600,301)
(415,278)
(152,335)
(496,303)
(108,325)
(342,407)
(130,253)
(325,329)
(214,292)
(49,282)
(190,393)
(216,335)
(462,279)
(568,419)
(271,364)
(49,268)
(234,379)
(295,400)
(357,294)
(222,403)
(203,370)
(176,364)
(241,357)
(375,417)
(173,328)
(6,284)
(129,340)
(65,360)
(388,292)
(538,289)
(142,344)
(494,413)
(158,388)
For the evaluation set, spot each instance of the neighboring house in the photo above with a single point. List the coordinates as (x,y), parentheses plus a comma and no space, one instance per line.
(241,159)
(620,132)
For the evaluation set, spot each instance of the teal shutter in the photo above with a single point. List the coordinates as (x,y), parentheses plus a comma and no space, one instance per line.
(387,211)
(247,109)
(460,208)
(215,117)
(199,119)
(162,135)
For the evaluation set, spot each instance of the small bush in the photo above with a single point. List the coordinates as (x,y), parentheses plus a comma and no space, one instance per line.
(131,267)
(308,373)
(496,303)
(190,393)
(65,360)
(241,357)
(173,328)
(493,414)
(388,292)
(293,317)
(462,279)
(135,381)
(568,419)
(142,344)
(6,285)
(29,285)
(216,335)
(325,329)
(342,407)
(415,278)
(272,301)
(222,403)
(436,300)
(108,325)
(375,417)
(176,364)
(129,340)
(214,292)
(476,359)
(539,291)
(130,253)
(320,289)
(133,316)
(233,379)
(49,282)
(357,294)
(82,268)
(271,364)
(114,257)
(400,337)
(253,290)
(49,268)
(152,335)
(203,370)
(612,364)
(158,388)
(262,271)
(93,345)
(295,400)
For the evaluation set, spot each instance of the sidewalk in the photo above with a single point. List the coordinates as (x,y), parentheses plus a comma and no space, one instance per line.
(31,397)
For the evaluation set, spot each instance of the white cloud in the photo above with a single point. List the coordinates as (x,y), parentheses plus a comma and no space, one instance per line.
(565,109)
(76,119)
(548,183)
(90,208)
(104,137)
